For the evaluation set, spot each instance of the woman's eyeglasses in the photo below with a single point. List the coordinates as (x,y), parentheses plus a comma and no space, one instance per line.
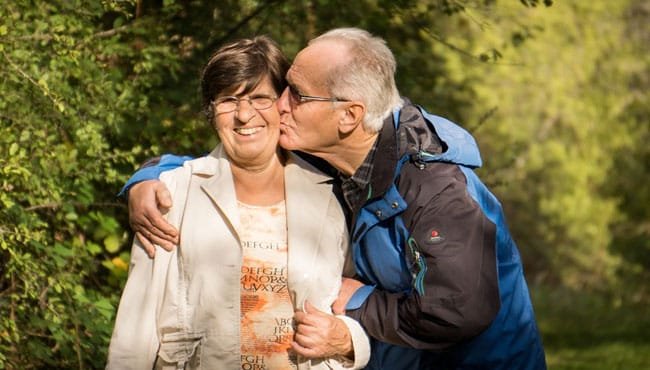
(227,104)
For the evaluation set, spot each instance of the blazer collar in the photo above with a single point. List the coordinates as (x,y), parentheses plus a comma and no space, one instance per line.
(219,185)
(307,194)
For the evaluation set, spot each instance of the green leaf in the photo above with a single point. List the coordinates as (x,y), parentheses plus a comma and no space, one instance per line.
(13,148)
(63,251)
(71,216)
(112,243)
(93,248)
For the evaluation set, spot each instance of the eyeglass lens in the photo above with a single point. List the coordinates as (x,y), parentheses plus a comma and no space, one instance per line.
(231,103)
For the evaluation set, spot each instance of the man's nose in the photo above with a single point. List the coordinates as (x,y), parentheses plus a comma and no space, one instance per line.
(283,101)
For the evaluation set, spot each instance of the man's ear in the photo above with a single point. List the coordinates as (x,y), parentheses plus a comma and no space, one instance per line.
(352,117)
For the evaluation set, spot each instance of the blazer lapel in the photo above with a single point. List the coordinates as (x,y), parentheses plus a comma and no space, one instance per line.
(308,194)
(221,189)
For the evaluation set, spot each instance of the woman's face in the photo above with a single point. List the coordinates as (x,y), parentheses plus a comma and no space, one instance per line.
(249,135)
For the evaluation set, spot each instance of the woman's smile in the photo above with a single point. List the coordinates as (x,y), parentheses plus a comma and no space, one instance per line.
(248,131)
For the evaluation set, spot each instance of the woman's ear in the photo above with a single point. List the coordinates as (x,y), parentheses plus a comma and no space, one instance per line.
(352,117)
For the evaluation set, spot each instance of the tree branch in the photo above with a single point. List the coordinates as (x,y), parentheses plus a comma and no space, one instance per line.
(45,91)
(49,37)
(111,32)
(77,205)
(241,23)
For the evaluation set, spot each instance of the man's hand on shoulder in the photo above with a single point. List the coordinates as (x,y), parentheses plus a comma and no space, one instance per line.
(147,202)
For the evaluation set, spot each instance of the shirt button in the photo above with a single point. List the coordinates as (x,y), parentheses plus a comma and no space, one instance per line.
(394,205)
(378,213)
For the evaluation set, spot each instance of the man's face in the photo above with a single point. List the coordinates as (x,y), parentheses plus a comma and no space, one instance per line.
(310,126)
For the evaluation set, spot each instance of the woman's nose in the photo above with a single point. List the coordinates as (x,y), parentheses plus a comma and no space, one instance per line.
(245,111)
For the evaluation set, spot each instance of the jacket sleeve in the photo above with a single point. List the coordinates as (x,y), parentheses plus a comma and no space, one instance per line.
(360,343)
(135,340)
(152,169)
(454,246)
(134,343)
(360,340)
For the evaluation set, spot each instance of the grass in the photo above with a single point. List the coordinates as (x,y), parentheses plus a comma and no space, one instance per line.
(586,331)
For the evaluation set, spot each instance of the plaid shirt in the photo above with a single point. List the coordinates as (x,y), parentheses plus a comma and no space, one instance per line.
(354,187)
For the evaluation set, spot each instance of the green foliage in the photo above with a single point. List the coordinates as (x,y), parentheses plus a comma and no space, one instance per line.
(554,104)
(557,98)
(631,232)
(71,86)
(586,331)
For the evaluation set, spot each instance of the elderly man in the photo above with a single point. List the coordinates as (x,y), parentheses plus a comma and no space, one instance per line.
(439,283)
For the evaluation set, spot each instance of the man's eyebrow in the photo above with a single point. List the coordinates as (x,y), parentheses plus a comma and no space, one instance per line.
(292,86)
(291,83)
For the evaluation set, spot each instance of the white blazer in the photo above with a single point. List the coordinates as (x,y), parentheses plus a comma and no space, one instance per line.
(183,307)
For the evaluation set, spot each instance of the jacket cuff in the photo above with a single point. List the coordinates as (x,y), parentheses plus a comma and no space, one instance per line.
(167,162)
(360,344)
(359,297)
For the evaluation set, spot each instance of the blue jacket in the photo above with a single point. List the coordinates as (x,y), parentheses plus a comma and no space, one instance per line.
(446,288)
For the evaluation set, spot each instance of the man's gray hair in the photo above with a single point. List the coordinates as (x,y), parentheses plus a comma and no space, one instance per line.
(368,76)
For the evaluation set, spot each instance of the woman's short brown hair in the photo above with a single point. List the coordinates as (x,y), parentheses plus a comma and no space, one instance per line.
(245,61)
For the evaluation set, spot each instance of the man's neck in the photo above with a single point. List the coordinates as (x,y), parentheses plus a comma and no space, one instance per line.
(351,152)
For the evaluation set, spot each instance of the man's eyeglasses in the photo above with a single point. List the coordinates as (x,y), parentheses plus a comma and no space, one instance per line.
(298,98)
(227,104)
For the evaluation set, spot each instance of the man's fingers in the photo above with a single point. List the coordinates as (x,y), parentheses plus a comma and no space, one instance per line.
(163,196)
(148,240)
(164,243)
(303,351)
(146,245)
(306,330)
(160,228)
(305,319)
(318,334)
(146,199)
(153,234)
(302,320)
(305,347)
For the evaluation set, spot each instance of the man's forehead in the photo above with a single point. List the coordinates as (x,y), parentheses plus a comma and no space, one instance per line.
(293,73)
(309,67)
(299,75)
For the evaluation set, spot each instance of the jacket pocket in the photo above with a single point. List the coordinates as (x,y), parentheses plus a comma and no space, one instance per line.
(180,351)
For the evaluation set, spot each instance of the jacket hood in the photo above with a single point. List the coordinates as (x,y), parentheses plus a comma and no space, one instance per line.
(458,146)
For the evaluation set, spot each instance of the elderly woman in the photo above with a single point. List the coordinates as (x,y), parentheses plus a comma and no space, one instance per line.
(262,236)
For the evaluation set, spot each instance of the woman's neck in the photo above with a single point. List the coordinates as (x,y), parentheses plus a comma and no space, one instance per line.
(260,185)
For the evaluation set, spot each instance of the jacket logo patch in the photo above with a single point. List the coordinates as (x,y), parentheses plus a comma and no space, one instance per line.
(435,237)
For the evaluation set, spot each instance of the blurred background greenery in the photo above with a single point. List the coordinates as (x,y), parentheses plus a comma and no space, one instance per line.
(555,92)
